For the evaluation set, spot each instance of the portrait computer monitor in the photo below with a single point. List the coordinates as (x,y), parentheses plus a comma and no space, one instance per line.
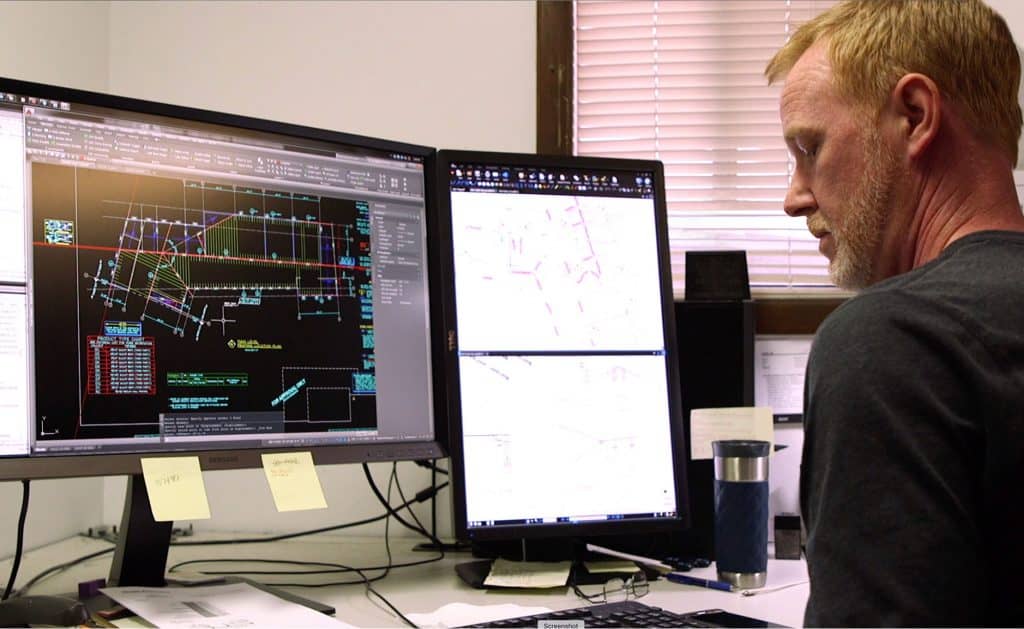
(564,392)
(176,281)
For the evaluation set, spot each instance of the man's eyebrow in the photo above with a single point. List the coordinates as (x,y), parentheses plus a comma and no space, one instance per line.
(791,134)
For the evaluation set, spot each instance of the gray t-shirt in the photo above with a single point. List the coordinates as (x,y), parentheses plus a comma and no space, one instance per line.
(912,479)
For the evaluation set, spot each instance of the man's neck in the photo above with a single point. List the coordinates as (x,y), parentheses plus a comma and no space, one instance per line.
(976,194)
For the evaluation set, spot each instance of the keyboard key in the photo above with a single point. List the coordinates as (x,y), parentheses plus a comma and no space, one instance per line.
(623,614)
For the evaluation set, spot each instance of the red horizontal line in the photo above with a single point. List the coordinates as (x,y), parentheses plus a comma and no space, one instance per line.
(201,256)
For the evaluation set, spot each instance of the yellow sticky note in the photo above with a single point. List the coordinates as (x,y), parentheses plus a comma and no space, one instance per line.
(293,481)
(175,487)
(528,574)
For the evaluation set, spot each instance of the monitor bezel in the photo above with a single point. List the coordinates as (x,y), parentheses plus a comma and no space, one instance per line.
(21,467)
(451,367)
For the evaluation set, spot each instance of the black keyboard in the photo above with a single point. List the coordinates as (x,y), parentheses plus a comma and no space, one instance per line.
(628,614)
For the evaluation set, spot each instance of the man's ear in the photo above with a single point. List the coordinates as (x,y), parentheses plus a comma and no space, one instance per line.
(917,105)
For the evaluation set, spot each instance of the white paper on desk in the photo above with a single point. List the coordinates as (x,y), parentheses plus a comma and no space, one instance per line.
(462,614)
(528,574)
(714,424)
(232,605)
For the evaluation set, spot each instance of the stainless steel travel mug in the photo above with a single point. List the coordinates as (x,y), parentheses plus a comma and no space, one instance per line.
(741,511)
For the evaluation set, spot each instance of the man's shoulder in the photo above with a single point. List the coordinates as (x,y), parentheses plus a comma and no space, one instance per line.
(882,333)
(870,313)
(971,284)
(976,262)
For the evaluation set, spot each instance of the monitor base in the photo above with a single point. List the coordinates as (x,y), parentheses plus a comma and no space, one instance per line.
(474,573)
(453,547)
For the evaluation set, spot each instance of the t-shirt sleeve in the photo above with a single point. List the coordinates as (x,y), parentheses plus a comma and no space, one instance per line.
(889,487)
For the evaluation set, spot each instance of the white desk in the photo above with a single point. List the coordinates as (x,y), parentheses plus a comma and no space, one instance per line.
(419,589)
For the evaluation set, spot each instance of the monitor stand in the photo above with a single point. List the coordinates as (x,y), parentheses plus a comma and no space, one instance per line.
(140,557)
(473,573)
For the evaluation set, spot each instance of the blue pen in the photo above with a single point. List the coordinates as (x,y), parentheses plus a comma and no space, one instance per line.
(675,577)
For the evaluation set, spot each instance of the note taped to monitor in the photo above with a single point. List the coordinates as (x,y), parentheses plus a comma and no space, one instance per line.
(175,487)
(714,424)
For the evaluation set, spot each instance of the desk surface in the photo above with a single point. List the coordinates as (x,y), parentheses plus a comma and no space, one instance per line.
(419,589)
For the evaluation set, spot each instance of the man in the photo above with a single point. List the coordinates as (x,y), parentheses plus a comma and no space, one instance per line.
(903,120)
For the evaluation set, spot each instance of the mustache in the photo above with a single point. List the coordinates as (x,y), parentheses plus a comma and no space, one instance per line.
(818,226)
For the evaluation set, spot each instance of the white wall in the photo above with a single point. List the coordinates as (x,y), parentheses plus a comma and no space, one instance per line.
(452,74)
(446,74)
(449,74)
(64,43)
(1013,12)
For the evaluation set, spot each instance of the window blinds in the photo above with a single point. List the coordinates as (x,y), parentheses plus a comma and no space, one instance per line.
(682,81)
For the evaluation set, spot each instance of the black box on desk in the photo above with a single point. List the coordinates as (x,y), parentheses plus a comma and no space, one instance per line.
(788,544)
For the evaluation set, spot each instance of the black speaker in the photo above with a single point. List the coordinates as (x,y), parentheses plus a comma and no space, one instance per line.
(717,276)
(715,335)
(716,368)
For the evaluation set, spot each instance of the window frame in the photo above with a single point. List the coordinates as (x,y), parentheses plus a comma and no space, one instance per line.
(774,315)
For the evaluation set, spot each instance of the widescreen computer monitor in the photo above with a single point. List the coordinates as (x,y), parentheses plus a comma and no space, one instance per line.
(564,392)
(177,281)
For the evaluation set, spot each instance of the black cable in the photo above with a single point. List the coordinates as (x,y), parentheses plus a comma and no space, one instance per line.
(383,501)
(431,465)
(180,564)
(360,571)
(392,481)
(323,585)
(398,486)
(406,504)
(387,532)
(387,504)
(393,608)
(434,471)
(334,567)
(421,496)
(19,544)
(60,568)
(409,564)
(433,501)
(331,567)
(283,536)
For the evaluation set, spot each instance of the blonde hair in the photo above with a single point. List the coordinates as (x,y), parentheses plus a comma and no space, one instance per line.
(962,45)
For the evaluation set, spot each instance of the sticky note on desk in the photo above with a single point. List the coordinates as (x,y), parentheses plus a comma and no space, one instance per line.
(175,487)
(293,481)
(528,574)
(716,424)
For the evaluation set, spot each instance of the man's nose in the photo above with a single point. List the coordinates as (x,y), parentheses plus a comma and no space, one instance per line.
(799,199)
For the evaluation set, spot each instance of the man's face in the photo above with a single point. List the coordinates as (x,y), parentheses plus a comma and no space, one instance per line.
(845,174)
